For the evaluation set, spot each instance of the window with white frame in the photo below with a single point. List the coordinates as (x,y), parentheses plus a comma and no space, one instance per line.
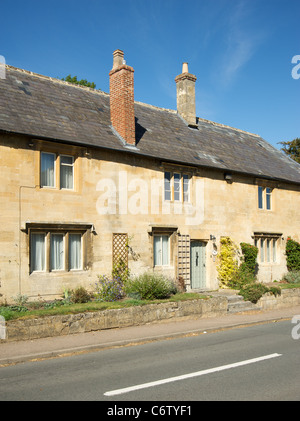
(161,250)
(75,253)
(264,198)
(66,172)
(48,169)
(168,192)
(176,187)
(64,164)
(38,252)
(56,251)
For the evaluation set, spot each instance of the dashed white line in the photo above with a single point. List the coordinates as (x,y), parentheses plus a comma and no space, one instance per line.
(190,375)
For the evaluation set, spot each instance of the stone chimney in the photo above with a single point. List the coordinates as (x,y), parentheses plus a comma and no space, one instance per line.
(122,98)
(186,103)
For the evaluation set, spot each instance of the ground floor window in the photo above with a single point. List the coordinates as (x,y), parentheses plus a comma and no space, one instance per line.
(161,250)
(267,248)
(38,252)
(56,251)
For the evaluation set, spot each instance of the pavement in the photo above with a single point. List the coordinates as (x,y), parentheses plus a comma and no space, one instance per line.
(61,346)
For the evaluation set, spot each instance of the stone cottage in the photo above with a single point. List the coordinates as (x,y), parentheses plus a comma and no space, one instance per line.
(88,177)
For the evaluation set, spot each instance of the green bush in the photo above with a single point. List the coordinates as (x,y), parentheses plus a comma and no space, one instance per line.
(8,312)
(253,292)
(244,276)
(150,286)
(250,255)
(292,251)
(292,277)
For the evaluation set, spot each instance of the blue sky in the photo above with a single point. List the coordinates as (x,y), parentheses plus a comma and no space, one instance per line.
(240,50)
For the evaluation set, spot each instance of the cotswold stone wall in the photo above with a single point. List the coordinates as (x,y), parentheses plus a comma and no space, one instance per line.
(43,327)
(107,319)
(288,298)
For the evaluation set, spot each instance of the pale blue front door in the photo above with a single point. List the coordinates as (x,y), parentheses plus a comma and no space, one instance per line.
(198,272)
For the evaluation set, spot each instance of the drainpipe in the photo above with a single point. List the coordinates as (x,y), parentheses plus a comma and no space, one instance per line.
(20,219)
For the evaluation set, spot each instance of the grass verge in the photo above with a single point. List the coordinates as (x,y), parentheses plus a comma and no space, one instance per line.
(91,306)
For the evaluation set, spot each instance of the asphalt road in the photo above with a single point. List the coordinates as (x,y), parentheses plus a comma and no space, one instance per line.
(259,362)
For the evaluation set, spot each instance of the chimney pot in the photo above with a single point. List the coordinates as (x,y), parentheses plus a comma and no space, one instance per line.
(185,68)
(118,58)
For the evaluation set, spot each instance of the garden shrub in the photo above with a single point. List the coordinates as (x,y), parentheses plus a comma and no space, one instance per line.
(109,288)
(292,277)
(292,255)
(253,292)
(249,255)
(150,286)
(228,263)
(244,276)
(80,295)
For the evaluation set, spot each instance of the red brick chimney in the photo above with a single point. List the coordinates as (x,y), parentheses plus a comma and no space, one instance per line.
(122,98)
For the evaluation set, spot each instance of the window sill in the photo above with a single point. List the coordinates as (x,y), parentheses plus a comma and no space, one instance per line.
(57,189)
(57,272)
(265,210)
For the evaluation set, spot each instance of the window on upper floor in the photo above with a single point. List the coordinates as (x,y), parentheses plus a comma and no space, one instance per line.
(64,164)
(48,169)
(66,172)
(264,198)
(177,187)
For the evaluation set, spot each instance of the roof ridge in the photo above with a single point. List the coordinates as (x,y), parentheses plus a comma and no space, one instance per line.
(228,127)
(156,107)
(98,91)
(55,80)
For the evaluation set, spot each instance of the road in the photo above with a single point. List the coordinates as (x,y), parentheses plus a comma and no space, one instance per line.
(251,363)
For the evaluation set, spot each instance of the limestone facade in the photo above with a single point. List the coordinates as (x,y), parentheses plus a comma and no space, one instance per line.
(118,193)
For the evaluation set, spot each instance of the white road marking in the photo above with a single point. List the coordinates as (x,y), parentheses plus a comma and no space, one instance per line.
(190,375)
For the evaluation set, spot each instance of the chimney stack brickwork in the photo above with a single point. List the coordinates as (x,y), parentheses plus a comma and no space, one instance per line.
(122,98)
(186,103)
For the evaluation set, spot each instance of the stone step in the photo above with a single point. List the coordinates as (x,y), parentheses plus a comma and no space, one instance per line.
(238,305)
(234,298)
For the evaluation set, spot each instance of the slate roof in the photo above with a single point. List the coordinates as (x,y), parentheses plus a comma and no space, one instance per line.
(43,107)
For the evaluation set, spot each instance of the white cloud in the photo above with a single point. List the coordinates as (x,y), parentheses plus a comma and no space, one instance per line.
(241,41)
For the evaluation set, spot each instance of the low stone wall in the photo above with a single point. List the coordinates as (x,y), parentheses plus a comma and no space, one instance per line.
(288,298)
(43,327)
